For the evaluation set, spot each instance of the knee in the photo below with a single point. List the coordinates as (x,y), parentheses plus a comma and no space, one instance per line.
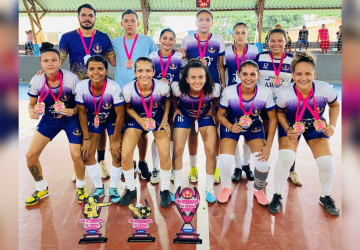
(76,155)
(178,151)
(164,156)
(126,156)
(210,153)
(31,156)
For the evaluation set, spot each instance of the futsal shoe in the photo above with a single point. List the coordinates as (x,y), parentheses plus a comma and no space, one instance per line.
(155,178)
(97,193)
(127,197)
(165,198)
(248,172)
(261,197)
(224,195)
(36,197)
(73,176)
(172,196)
(114,195)
(144,170)
(104,170)
(237,175)
(81,194)
(329,205)
(275,204)
(193,174)
(295,178)
(217,178)
(210,195)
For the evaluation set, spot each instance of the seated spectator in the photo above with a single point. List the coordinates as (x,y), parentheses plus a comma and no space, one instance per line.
(288,42)
(339,42)
(303,38)
(29,43)
(324,39)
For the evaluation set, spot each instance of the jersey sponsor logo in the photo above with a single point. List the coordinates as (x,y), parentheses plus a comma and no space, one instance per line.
(173,66)
(77,132)
(65,97)
(208,60)
(107,105)
(256,129)
(285,67)
(266,65)
(211,49)
(97,48)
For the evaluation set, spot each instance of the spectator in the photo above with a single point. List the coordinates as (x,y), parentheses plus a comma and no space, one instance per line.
(266,44)
(324,39)
(288,42)
(303,38)
(339,42)
(29,43)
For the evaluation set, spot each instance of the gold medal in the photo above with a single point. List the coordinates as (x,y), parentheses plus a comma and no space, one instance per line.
(150,124)
(129,64)
(96,121)
(40,108)
(59,106)
(203,60)
(319,125)
(299,127)
(245,121)
(277,81)
(164,80)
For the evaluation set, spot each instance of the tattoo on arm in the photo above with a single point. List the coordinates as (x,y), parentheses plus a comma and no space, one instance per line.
(34,170)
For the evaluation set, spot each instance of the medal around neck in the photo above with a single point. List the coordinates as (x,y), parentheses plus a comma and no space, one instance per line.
(277,81)
(319,125)
(129,64)
(140,223)
(299,127)
(187,201)
(40,108)
(245,121)
(91,210)
(59,106)
(150,124)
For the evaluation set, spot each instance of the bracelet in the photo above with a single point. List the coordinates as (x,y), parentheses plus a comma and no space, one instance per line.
(87,139)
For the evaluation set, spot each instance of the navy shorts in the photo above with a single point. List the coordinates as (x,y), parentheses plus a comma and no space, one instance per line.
(255,131)
(131,123)
(303,41)
(309,134)
(185,122)
(50,127)
(109,126)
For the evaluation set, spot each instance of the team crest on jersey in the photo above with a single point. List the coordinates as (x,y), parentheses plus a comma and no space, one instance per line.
(320,108)
(173,66)
(255,130)
(156,104)
(211,49)
(77,132)
(65,97)
(285,67)
(107,105)
(97,48)
(256,112)
(203,105)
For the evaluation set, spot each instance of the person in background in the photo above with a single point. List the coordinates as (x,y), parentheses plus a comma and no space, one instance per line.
(288,42)
(323,36)
(339,42)
(303,38)
(29,43)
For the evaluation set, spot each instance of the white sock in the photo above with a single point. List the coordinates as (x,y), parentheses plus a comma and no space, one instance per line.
(80,184)
(155,156)
(193,160)
(165,179)
(326,166)
(226,162)
(260,166)
(217,161)
(94,173)
(246,154)
(209,181)
(41,185)
(171,149)
(283,164)
(177,179)
(129,179)
(115,174)
(237,157)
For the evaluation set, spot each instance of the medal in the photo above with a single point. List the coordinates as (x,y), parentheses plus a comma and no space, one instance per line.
(198,111)
(96,121)
(86,58)
(202,52)
(59,106)
(129,63)
(299,127)
(319,125)
(87,50)
(277,81)
(40,108)
(164,80)
(150,124)
(242,57)
(245,120)
(97,110)
(163,71)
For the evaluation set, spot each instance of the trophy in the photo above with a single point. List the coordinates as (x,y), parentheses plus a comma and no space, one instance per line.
(140,224)
(187,202)
(91,210)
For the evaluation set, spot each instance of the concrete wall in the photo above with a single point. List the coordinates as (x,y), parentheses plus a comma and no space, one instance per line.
(328,67)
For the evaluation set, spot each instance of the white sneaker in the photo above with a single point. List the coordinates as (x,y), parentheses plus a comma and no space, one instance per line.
(104,170)
(73,176)
(155,176)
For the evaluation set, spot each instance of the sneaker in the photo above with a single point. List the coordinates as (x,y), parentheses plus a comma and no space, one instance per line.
(81,194)
(155,176)
(104,170)
(329,205)
(165,199)
(248,172)
(224,195)
(237,175)
(97,193)
(295,178)
(73,176)
(114,195)
(193,174)
(261,197)
(36,197)
(127,197)
(217,178)
(172,175)
(144,170)
(275,204)
(172,196)
(210,196)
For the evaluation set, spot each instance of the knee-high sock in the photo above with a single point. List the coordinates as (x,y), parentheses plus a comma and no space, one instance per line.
(261,172)
(94,173)
(225,165)
(209,182)
(155,156)
(177,179)
(193,160)
(115,174)
(283,164)
(237,157)
(246,154)
(129,179)
(326,166)
(165,179)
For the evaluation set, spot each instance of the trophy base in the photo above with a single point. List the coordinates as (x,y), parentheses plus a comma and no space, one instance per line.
(138,237)
(92,238)
(188,238)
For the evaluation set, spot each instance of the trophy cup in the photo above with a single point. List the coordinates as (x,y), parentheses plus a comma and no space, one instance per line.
(187,202)
(140,224)
(91,210)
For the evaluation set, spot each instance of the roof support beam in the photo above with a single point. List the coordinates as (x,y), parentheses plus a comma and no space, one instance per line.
(145,9)
(34,20)
(259,10)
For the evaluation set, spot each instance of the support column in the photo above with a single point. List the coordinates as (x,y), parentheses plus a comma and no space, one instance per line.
(34,20)
(145,9)
(259,10)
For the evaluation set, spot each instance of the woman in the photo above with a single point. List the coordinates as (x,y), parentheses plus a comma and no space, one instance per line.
(339,42)
(101,106)
(234,56)
(238,114)
(300,108)
(210,49)
(145,99)
(52,97)
(195,94)
(275,72)
(168,64)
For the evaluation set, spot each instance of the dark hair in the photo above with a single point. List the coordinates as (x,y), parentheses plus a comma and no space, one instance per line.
(302,57)
(273,31)
(204,10)
(86,6)
(126,12)
(145,59)
(48,47)
(97,58)
(167,30)
(249,63)
(304,26)
(239,24)
(184,85)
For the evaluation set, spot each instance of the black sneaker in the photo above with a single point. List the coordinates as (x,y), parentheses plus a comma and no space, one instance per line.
(122,174)
(144,170)
(165,198)
(127,197)
(248,172)
(275,204)
(329,205)
(237,175)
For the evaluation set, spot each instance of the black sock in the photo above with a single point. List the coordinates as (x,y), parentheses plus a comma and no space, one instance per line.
(100,155)
(292,169)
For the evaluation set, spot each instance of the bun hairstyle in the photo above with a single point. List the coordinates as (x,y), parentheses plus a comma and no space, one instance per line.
(302,57)
(48,47)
